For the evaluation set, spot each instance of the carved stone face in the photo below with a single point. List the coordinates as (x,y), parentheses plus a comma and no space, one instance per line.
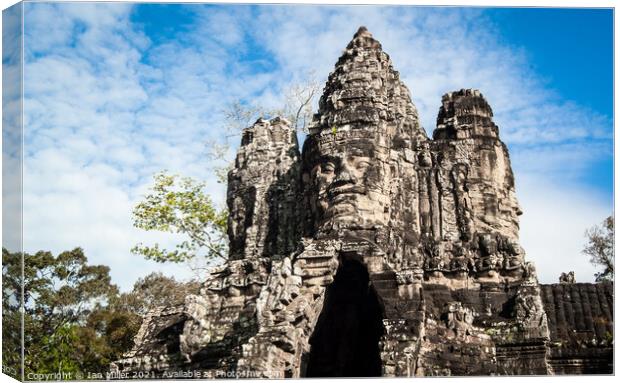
(347,181)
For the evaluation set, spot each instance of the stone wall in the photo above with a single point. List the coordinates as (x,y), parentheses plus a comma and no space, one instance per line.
(580,317)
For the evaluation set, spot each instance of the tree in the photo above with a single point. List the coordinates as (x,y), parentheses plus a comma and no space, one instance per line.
(181,205)
(59,294)
(11,315)
(299,100)
(106,335)
(75,320)
(155,290)
(297,109)
(600,248)
(109,330)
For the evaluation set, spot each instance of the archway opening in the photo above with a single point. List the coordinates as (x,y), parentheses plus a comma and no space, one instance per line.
(345,342)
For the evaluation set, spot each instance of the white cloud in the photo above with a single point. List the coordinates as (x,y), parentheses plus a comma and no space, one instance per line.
(88,157)
(553,226)
(11,128)
(565,161)
(106,108)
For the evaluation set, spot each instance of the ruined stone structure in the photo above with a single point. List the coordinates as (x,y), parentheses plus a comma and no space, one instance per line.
(377,251)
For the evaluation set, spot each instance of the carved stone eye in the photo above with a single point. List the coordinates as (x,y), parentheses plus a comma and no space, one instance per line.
(328,167)
(363,165)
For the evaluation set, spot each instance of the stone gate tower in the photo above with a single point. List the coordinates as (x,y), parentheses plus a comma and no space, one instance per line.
(377,251)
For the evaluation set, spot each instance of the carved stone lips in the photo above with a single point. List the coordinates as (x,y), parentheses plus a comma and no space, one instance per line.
(346,190)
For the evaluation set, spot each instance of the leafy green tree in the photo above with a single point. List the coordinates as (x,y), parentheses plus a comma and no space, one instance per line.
(75,320)
(105,336)
(181,205)
(56,352)
(59,294)
(600,248)
(11,315)
(109,330)
(155,290)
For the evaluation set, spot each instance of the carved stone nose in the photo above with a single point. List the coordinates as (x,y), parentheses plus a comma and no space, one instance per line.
(344,175)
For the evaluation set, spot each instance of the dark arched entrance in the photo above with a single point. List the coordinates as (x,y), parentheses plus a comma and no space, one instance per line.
(346,338)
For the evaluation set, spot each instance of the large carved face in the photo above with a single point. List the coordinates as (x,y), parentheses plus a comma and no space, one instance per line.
(347,181)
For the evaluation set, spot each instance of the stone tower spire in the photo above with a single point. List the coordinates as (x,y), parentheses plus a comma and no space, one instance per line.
(480,170)
(263,189)
(365,92)
(465,114)
(358,159)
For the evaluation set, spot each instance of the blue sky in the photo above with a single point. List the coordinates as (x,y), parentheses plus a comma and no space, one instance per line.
(117,92)
(572,50)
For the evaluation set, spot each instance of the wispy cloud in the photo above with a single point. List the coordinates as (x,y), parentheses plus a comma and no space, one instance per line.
(11,128)
(89,154)
(107,106)
(553,226)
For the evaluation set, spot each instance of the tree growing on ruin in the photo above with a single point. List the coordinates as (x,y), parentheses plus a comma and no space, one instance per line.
(600,248)
(154,290)
(299,99)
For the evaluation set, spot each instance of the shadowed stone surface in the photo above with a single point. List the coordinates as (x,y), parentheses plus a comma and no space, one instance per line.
(263,192)
(378,252)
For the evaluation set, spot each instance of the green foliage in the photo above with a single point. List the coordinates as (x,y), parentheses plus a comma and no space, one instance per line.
(59,295)
(180,205)
(75,320)
(155,290)
(56,352)
(600,248)
(11,316)
(107,334)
